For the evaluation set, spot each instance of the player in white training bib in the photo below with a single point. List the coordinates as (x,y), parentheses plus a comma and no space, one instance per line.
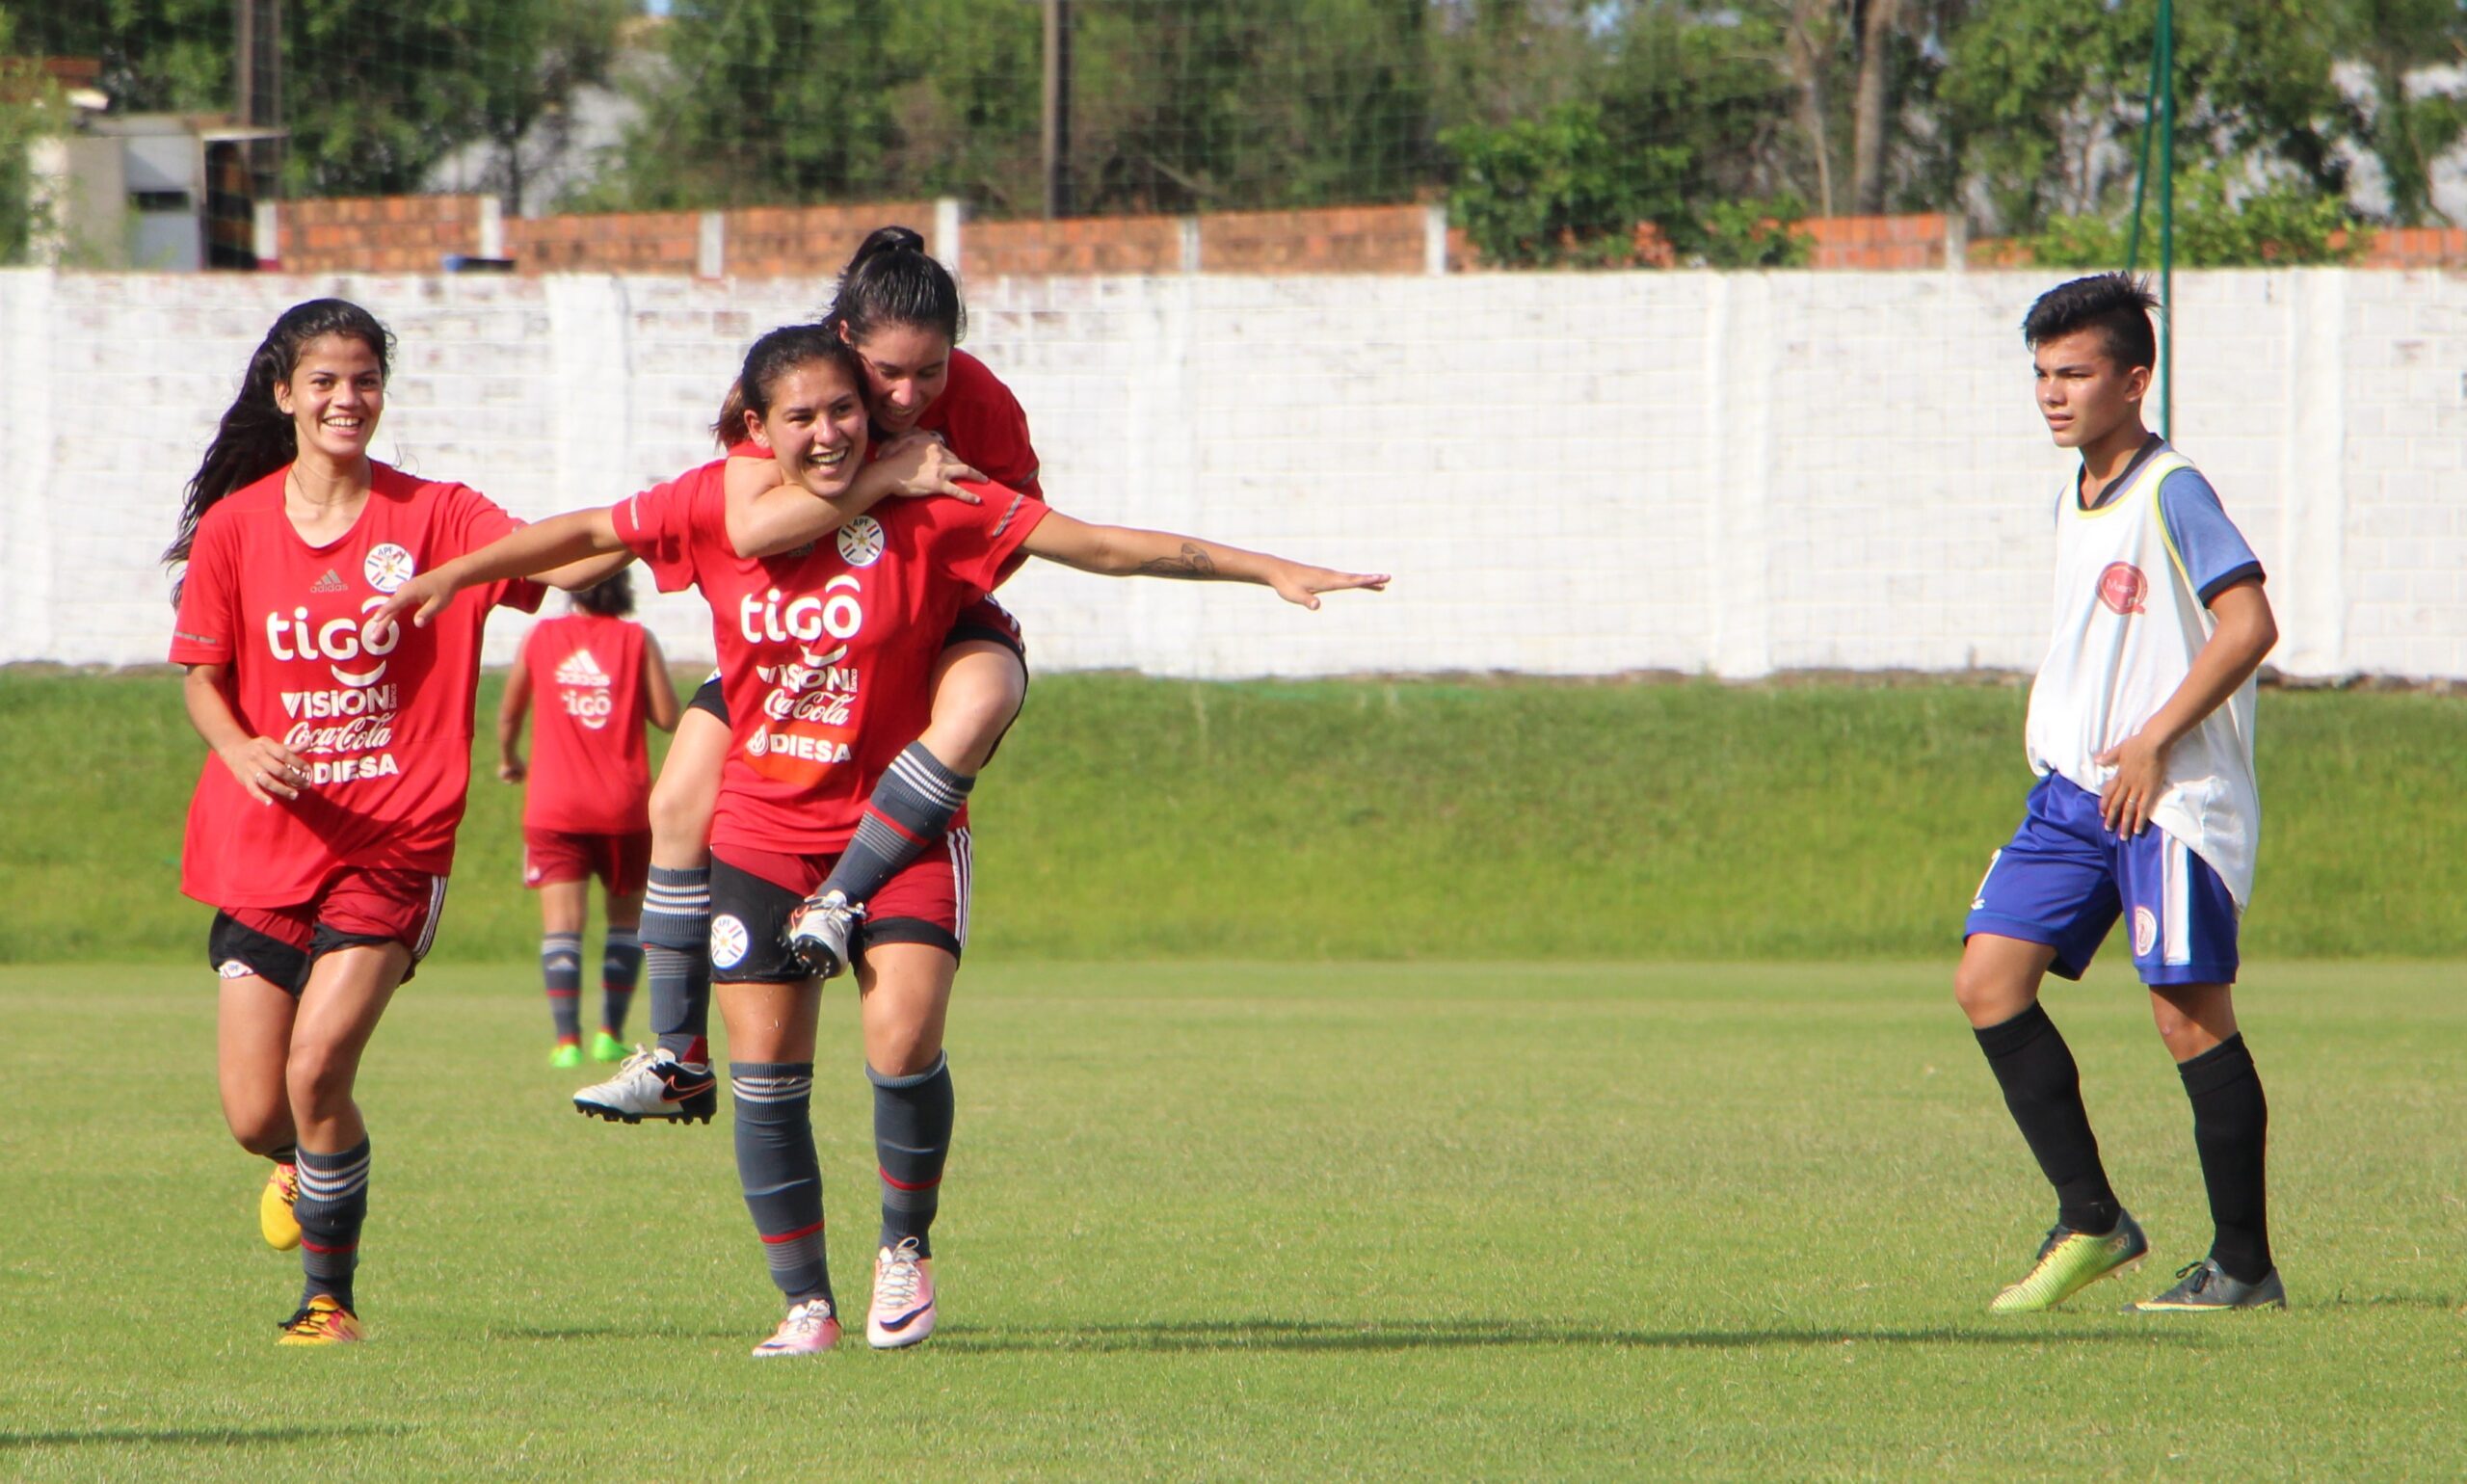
(2141,734)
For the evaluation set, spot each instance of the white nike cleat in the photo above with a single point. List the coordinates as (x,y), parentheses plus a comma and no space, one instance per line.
(903,1307)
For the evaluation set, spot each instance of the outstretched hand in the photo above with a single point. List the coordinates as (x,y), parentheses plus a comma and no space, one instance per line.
(921,464)
(423,596)
(1296,583)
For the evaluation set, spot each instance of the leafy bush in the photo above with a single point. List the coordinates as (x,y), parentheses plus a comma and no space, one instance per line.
(2284,224)
(1554,191)
(1751,234)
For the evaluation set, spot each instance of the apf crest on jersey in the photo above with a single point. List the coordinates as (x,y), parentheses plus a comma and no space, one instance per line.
(389,567)
(861,541)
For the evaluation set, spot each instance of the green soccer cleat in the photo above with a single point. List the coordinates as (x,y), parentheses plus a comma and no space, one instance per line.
(2070,1261)
(605,1047)
(566,1056)
(2205,1288)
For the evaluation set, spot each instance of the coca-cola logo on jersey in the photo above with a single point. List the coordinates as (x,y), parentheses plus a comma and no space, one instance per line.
(817,691)
(355,715)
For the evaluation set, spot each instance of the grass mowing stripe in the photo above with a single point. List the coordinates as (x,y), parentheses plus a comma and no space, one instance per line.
(1434,820)
(1236,1219)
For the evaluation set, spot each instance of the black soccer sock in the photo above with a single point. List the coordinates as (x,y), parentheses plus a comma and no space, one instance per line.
(911,808)
(560,970)
(911,1138)
(2231,1125)
(2043,1088)
(333,1205)
(288,1154)
(780,1173)
(621,969)
(677,949)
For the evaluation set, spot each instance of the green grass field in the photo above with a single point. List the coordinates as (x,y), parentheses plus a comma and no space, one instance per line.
(1220,1220)
(1429,820)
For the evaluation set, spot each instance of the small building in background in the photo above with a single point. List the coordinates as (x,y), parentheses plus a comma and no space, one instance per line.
(162,192)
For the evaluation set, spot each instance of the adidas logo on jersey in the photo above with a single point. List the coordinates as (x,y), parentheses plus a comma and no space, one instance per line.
(579,669)
(331,582)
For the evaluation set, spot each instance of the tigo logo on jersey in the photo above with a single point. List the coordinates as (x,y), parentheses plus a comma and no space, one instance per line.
(861,541)
(583,687)
(2122,587)
(388,568)
(2146,932)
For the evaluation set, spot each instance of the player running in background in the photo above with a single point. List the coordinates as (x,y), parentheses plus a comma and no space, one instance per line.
(827,656)
(902,312)
(322,828)
(587,796)
(2142,732)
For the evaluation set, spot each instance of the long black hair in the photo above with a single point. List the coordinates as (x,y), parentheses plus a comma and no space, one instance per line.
(611,597)
(890,279)
(256,436)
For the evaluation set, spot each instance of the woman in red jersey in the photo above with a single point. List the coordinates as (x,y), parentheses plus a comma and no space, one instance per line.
(323,826)
(901,311)
(827,655)
(586,797)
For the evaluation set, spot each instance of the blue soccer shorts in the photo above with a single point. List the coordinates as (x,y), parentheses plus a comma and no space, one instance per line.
(2065,878)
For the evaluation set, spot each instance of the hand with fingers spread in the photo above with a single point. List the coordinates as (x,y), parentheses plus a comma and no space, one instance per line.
(921,464)
(266,768)
(2141,761)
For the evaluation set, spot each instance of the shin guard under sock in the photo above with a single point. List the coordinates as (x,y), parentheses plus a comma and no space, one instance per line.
(781,1177)
(2230,1126)
(2043,1088)
(912,1139)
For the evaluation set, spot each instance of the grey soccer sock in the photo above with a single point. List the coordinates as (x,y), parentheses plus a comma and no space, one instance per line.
(560,970)
(621,969)
(676,950)
(911,808)
(2230,1126)
(332,1206)
(913,1119)
(780,1173)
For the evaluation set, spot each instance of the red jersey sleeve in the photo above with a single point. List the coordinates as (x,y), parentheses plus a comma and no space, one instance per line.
(657,525)
(984,423)
(979,545)
(206,631)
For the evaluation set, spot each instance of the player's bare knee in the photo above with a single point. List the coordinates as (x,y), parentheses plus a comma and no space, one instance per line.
(1987,993)
(262,1130)
(319,1078)
(679,815)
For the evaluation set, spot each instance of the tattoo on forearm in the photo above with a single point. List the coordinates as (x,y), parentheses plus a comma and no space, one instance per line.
(1193,563)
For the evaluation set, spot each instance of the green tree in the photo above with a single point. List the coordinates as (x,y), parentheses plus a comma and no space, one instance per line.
(2410,126)
(2044,98)
(156,55)
(767,101)
(29,112)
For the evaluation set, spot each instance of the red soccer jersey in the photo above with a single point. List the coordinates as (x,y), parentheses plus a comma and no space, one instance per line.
(384,724)
(826,654)
(590,772)
(982,423)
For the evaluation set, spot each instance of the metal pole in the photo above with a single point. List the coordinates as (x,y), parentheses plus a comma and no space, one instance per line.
(2142,171)
(1057,108)
(2167,220)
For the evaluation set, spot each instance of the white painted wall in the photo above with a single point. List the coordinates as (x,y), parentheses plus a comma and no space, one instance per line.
(1568,474)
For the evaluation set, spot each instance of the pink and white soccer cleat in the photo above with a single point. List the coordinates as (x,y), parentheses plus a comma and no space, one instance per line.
(903,1310)
(809,1329)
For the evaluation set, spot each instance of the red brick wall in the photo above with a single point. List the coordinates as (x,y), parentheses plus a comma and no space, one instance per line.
(377,235)
(1078,245)
(1876,242)
(2416,247)
(1344,239)
(810,242)
(606,241)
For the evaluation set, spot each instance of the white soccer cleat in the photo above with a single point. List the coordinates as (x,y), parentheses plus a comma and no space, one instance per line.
(820,930)
(903,1307)
(652,1084)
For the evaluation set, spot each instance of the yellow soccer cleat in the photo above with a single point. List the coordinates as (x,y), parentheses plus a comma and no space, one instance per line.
(2070,1261)
(275,1216)
(321,1321)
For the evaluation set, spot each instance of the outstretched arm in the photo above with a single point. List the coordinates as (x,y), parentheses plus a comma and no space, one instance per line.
(1121,551)
(767,515)
(577,537)
(2228,659)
